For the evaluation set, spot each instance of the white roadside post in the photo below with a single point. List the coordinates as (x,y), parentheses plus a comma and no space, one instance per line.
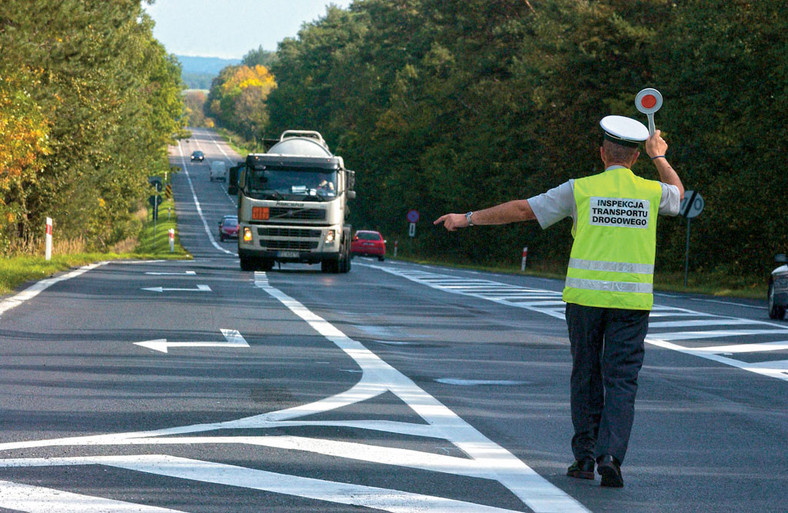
(48,239)
(525,256)
(172,240)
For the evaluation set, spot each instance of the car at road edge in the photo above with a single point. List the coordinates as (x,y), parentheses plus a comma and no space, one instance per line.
(368,243)
(778,288)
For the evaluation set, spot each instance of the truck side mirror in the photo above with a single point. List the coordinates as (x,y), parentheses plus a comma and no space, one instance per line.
(351,194)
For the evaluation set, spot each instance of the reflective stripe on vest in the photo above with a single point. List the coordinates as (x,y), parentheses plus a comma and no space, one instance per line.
(612,260)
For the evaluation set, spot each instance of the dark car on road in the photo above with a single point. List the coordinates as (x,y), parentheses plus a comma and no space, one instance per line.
(778,289)
(198,155)
(228,228)
(368,243)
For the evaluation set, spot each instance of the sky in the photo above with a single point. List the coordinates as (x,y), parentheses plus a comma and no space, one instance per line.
(231,28)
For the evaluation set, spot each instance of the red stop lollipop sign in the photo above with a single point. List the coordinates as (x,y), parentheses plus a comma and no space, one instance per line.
(648,101)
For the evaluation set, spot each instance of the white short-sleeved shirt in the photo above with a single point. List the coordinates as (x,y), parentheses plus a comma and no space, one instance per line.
(559,202)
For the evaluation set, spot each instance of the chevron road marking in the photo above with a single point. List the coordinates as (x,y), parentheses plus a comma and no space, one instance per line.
(550,303)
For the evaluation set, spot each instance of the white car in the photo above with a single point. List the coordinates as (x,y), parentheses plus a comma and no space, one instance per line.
(218,171)
(778,289)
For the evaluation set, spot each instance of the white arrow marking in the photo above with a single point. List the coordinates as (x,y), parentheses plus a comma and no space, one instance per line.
(185,273)
(200,288)
(234,339)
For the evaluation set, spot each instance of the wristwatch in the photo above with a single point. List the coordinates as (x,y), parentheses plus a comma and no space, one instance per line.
(468,218)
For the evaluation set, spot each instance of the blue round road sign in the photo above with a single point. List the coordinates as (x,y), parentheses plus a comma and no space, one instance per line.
(413,216)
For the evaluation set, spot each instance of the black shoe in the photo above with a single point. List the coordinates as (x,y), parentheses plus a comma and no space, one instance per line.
(583,469)
(610,470)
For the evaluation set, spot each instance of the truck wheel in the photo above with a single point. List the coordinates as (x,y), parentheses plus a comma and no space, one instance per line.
(247,264)
(344,261)
(265,264)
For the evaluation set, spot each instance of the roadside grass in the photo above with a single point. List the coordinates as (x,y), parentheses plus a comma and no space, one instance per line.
(154,241)
(16,271)
(237,143)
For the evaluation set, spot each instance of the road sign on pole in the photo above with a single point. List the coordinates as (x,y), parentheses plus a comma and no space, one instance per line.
(155,201)
(156,182)
(413,216)
(691,206)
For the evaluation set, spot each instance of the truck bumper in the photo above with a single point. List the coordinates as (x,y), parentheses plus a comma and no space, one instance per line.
(304,257)
(289,243)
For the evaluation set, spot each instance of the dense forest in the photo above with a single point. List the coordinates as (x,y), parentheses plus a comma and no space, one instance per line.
(447,107)
(439,106)
(88,103)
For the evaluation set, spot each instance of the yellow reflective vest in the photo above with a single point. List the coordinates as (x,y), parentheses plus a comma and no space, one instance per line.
(612,259)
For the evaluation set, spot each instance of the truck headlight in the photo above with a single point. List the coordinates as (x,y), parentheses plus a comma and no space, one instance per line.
(247,234)
(330,236)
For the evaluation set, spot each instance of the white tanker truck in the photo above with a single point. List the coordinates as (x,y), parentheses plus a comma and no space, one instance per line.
(292,205)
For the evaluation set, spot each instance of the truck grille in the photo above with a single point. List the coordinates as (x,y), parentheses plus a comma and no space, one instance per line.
(311,214)
(293,245)
(289,239)
(288,232)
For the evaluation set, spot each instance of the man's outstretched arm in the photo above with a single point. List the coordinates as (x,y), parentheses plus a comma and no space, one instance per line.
(505,213)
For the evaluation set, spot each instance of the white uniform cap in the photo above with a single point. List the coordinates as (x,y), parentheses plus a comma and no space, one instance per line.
(623,130)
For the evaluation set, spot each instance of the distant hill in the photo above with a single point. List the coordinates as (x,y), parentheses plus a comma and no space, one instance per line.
(199,71)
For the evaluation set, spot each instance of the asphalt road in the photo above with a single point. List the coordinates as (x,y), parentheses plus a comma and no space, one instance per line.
(192,386)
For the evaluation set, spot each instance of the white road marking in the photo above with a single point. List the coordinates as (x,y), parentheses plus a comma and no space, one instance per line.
(480,382)
(197,205)
(519,296)
(697,335)
(379,377)
(240,477)
(200,288)
(233,339)
(703,322)
(781,345)
(184,273)
(485,459)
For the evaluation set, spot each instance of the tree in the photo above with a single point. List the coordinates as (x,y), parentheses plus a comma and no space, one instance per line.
(238,99)
(110,97)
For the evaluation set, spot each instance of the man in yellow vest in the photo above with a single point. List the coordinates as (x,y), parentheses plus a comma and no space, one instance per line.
(608,289)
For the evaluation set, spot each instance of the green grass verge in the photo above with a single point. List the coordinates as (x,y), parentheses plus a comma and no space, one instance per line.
(16,271)
(154,242)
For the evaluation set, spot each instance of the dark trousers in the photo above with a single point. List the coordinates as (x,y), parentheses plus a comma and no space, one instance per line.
(607,354)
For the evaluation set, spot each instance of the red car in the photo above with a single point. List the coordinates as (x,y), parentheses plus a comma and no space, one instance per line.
(368,243)
(228,228)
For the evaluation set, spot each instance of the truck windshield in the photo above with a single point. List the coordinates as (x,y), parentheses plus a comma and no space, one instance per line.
(292,183)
